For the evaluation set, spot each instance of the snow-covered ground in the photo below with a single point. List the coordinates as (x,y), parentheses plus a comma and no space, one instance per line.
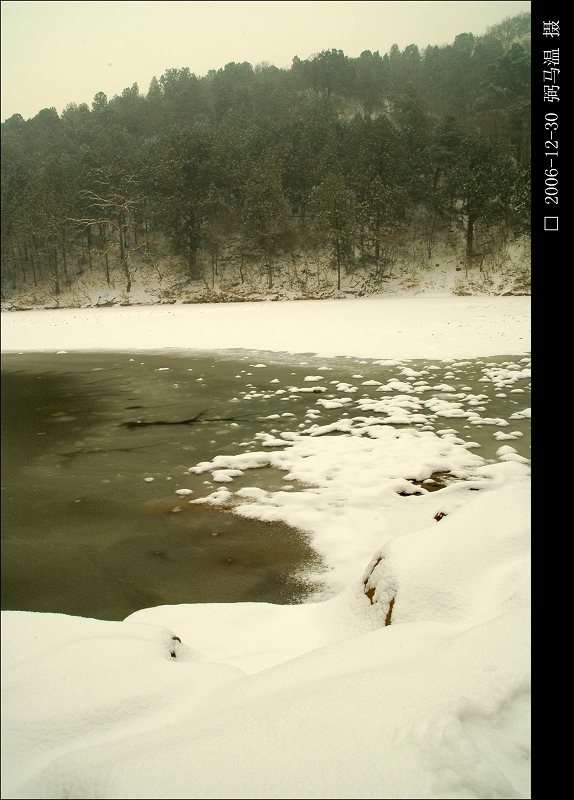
(412,681)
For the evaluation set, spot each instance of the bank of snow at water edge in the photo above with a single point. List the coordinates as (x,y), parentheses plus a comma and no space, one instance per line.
(323,699)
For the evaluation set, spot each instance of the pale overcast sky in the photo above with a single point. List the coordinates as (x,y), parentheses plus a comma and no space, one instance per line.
(55,53)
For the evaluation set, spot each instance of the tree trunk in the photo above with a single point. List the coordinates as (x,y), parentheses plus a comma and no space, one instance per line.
(64,265)
(33,268)
(192,261)
(145,227)
(128,276)
(57,288)
(213,267)
(23,268)
(470,235)
(89,236)
(121,237)
(14,267)
(431,238)
(39,256)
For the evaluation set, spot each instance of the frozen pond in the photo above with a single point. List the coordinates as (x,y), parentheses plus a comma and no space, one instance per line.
(97,448)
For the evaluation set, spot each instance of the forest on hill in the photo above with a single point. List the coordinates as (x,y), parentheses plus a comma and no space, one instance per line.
(249,175)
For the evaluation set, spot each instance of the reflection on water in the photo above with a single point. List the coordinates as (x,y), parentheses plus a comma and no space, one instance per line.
(93,441)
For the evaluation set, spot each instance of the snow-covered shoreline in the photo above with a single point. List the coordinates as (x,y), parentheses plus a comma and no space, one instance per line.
(412,681)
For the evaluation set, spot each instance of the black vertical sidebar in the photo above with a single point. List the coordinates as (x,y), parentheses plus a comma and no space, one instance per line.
(550,129)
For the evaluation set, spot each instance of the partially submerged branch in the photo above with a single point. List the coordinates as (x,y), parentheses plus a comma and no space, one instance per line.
(104,451)
(198,418)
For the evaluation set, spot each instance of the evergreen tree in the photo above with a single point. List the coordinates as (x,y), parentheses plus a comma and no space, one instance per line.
(266,212)
(335,219)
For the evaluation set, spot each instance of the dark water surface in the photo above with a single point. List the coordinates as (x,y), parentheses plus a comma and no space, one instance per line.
(87,501)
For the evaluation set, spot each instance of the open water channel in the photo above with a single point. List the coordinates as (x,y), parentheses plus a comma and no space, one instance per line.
(89,492)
